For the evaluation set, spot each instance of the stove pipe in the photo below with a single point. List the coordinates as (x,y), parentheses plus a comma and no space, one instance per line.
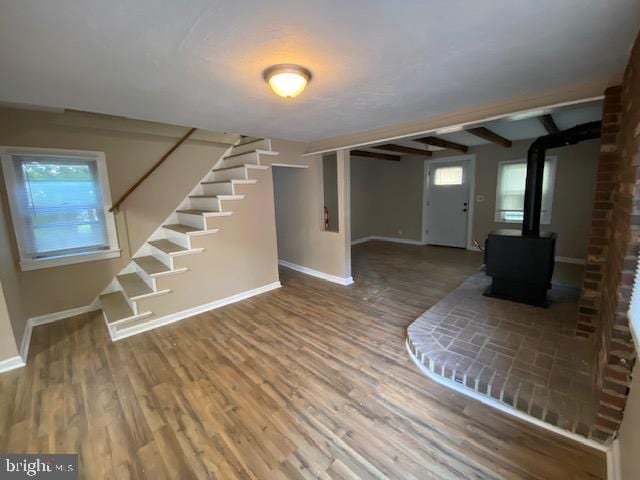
(535,169)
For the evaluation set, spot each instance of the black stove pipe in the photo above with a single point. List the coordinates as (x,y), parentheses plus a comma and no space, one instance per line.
(535,169)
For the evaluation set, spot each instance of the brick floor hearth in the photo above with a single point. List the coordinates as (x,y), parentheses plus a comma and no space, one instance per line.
(525,357)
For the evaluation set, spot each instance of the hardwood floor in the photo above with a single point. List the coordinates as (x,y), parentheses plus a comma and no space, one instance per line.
(309,381)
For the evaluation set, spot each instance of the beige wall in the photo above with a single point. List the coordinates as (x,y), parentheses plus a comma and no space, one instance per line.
(10,277)
(395,189)
(131,147)
(572,200)
(241,256)
(8,346)
(629,436)
(386,197)
(299,201)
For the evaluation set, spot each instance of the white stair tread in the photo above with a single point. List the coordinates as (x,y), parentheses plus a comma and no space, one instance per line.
(250,152)
(167,247)
(133,285)
(188,230)
(115,307)
(178,227)
(246,165)
(221,196)
(230,182)
(196,211)
(151,265)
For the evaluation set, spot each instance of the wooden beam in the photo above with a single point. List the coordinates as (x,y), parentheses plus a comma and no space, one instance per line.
(490,136)
(548,123)
(439,142)
(382,156)
(392,147)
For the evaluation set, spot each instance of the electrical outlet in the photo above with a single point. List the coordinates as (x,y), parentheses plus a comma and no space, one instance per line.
(400,231)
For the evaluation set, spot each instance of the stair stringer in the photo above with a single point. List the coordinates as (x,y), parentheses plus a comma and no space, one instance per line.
(241,257)
(219,266)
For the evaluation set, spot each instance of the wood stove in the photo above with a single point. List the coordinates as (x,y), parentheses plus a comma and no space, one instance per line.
(521,262)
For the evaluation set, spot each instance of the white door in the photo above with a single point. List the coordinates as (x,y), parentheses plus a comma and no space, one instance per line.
(447,209)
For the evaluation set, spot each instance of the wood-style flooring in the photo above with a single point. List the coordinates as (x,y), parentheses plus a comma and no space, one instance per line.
(309,381)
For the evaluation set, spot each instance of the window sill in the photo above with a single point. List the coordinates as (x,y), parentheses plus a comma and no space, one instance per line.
(26,265)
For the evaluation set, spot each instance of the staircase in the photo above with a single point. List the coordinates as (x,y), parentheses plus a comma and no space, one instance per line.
(217,247)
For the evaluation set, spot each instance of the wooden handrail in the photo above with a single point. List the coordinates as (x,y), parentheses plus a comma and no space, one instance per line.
(152,169)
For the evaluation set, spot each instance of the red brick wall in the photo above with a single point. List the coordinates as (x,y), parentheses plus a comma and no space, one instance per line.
(602,216)
(613,248)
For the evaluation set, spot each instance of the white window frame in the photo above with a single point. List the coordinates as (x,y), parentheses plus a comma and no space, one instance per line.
(553,161)
(28,263)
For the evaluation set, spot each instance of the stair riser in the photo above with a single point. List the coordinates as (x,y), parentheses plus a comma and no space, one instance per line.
(205,204)
(217,189)
(178,238)
(145,276)
(235,174)
(264,144)
(132,304)
(162,256)
(248,158)
(196,221)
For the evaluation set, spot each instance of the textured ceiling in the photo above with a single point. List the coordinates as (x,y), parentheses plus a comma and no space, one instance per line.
(375,63)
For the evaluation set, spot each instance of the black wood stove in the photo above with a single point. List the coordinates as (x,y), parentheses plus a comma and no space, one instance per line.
(521,262)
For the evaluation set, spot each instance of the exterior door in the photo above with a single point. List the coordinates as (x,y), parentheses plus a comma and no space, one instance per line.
(447,209)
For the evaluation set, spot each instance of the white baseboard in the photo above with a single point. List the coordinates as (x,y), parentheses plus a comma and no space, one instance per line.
(174,317)
(614,468)
(503,408)
(11,363)
(49,318)
(54,317)
(407,241)
(575,261)
(26,342)
(317,273)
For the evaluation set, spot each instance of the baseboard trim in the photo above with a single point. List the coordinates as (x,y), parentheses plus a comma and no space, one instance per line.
(316,273)
(575,261)
(503,408)
(614,468)
(407,241)
(11,363)
(175,317)
(54,317)
(26,342)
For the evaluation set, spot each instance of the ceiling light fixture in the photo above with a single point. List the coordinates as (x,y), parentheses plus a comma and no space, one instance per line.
(287,80)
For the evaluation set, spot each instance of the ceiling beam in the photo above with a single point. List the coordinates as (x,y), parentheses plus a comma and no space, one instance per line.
(382,156)
(439,142)
(392,147)
(548,123)
(490,136)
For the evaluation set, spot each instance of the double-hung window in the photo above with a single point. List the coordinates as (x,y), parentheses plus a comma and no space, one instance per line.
(512,175)
(59,204)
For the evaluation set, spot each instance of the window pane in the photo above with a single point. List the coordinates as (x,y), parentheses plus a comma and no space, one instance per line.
(61,205)
(448,176)
(511,185)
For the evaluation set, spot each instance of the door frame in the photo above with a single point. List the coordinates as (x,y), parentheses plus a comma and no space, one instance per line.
(471,158)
